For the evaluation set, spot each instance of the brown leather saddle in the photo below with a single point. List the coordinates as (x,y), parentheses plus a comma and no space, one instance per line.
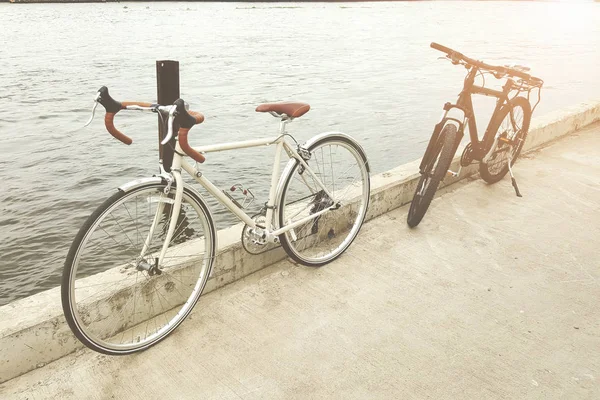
(290,109)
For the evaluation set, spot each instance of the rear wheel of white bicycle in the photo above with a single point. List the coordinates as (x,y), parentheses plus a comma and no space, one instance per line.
(116,295)
(342,167)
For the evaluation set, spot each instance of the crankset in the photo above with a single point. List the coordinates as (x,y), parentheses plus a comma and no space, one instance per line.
(467,156)
(254,239)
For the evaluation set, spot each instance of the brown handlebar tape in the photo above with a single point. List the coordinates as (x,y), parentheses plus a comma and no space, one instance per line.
(109,122)
(197,116)
(183,142)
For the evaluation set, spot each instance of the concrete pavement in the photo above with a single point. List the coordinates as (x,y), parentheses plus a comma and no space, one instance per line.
(492,296)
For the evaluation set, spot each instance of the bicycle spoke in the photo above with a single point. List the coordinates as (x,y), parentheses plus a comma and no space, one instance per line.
(121,310)
(510,128)
(342,173)
(125,233)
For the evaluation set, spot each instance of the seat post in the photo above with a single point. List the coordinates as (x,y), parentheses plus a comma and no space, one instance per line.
(283,123)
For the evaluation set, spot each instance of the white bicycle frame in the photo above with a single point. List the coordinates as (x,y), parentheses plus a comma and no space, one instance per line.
(179,163)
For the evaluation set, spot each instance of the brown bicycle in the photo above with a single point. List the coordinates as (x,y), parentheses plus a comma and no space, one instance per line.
(504,137)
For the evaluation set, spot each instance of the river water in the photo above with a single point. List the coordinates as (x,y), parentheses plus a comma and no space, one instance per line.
(365,68)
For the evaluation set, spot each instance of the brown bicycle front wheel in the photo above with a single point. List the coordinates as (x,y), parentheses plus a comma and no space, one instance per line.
(434,173)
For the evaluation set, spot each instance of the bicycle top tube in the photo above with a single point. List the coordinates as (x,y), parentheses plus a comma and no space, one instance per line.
(457,58)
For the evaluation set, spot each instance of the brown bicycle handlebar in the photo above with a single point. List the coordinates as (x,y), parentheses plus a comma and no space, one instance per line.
(109,121)
(185,119)
(453,54)
(197,116)
(185,146)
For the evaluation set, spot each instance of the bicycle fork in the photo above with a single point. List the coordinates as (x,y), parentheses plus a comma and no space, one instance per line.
(436,135)
(143,264)
(460,134)
(176,172)
(153,267)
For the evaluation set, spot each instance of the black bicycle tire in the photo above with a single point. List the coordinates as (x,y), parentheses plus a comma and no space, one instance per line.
(484,172)
(283,239)
(418,209)
(74,250)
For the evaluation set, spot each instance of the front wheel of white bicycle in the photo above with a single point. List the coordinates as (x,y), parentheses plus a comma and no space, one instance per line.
(341,165)
(118,295)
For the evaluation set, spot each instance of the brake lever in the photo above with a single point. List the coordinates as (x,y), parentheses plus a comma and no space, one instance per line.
(93,109)
(172,115)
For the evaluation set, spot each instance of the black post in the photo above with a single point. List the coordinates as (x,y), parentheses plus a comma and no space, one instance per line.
(167,84)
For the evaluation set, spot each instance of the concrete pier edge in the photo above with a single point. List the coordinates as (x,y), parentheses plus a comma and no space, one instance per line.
(33,331)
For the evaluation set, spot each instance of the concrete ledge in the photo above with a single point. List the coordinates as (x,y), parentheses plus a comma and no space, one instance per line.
(552,126)
(33,331)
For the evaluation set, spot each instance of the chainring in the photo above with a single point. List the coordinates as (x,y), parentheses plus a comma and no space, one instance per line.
(467,156)
(252,239)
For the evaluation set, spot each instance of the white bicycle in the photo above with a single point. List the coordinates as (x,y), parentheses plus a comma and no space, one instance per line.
(140,262)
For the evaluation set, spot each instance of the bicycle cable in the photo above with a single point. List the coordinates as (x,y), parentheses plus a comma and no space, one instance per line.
(162,120)
(287,134)
(539,88)
(482,77)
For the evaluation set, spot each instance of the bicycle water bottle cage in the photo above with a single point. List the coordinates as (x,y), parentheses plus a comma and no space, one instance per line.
(248,196)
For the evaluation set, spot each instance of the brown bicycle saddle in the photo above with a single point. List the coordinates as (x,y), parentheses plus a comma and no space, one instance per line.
(291,109)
